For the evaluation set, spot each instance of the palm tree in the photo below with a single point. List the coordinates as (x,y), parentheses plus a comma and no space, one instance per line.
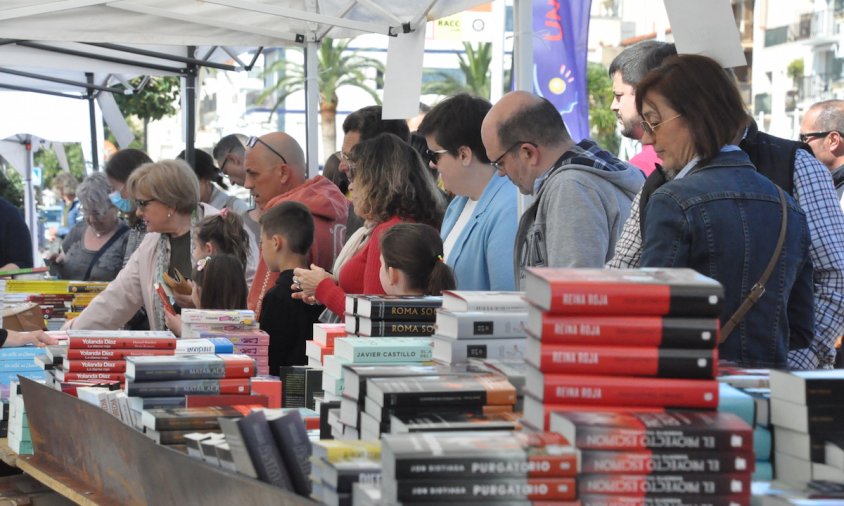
(474,64)
(337,67)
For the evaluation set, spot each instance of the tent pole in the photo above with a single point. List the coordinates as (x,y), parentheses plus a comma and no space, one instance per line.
(31,213)
(312,107)
(190,110)
(92,115)
(523,44)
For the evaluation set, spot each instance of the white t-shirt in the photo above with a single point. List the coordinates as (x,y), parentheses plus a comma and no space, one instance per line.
(462,220)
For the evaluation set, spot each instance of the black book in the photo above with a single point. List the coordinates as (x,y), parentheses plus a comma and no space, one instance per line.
(340,476)
(292,440)
(665,484)
(441,390)
(324,427)
(300,385)
(392,328)
(814,418)
(355,375)
(823,386)
(398,307)
(262,449)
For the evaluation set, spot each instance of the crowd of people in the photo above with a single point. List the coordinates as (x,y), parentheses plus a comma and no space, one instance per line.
(415,213)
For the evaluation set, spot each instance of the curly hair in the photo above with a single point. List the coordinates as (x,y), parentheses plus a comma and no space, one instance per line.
(392,180)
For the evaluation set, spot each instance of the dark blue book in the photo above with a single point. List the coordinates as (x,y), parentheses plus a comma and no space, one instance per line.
(262,449)
(291,438)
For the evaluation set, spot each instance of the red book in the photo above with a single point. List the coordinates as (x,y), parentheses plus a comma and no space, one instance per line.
(483,489)
(90,376)
(649,500)
(656,331)
(269,386)
(94,365)
(657,292)
(665,462)
(179,388)
(160,343)
(252,349)
(665,484)
(201,401)
(112,354)
(538,415)
(326,333)
(621,360)
(165,301)
(622,390)
(69,387)
(677,430)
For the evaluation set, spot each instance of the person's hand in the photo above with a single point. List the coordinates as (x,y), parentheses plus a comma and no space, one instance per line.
(305,282)
(185,301)
(174,323)
(38,338)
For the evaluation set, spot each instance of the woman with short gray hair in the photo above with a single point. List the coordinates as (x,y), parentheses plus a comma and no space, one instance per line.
(93,250)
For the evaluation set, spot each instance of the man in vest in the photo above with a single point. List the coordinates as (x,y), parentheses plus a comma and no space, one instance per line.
(823,130)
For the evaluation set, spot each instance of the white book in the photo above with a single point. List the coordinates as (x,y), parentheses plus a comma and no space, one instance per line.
(464,300)
(333,365)
(96,396)
(243,316)
(483,324)
(114,334)
(459,351)
(365,350)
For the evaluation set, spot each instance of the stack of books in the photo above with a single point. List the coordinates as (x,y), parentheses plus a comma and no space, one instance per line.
(59,300)
(475,467)
(21,361)
(174,426)
(807,412)
(753,408)
(322,343)
(481,325)
(391,315)
(690,457)
(338,465)
(19,437)
(195,321)
(252,342)
(108,397)
(604,340)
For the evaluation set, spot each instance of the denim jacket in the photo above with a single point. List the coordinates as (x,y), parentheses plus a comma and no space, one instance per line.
(723,220)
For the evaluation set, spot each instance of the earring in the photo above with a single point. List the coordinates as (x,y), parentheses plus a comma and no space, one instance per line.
(170,214)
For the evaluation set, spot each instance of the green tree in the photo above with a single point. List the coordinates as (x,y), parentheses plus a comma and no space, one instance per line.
(474,64)
(338,66)
(49,163)
(155,101)
(11,186)
(601,119)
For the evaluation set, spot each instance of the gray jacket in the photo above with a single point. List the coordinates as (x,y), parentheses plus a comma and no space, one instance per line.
(579,211)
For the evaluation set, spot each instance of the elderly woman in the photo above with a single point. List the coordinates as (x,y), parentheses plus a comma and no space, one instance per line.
(389,184)
(93,250)
(166,197)
(719,216)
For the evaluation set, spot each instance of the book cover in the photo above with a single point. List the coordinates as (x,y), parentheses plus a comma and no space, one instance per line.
(460,351)
(364,350)
(622,390)
(164,343)
(94,366)
(665,484)
(386,328)
(398,307)
(822,386)
(441,390)
(665,462)
(189,418)
(183,367)
(686,430)
(291,438)
(241,316)
(300,384)
(187,387)
(652,291)
(111,353)
(259,443)
(481,324)
(481,489)
(621,360)
(240,456)
(655,331)
(465,300)
(205,345)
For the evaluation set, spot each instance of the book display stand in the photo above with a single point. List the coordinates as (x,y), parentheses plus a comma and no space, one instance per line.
(91,457)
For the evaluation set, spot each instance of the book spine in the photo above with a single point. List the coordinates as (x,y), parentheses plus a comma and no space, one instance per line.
(488,466)
(630,391)
(631,299)
(622,360)
(187,387)
(112,354)
(124,342)
(246,349)
(384,328)
(186,423)
(401,311)
(665,500)
(468,396)
(291,437)
(685,333)
(388,354)
(85,376)
(252,339)
(22,352)
(204,401)
(499,489)
(258,439)
(665,484)
(666,462)
(669,439)
(94,366)
(172,372)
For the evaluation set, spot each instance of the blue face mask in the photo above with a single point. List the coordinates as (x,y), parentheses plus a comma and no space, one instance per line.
(119,202)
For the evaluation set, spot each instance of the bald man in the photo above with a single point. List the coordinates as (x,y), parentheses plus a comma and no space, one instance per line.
(822,129)
(275,173)
(583,193)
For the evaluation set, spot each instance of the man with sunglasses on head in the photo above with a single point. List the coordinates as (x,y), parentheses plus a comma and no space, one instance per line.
(787,163)
(275,172)
(822,129)
(582,193)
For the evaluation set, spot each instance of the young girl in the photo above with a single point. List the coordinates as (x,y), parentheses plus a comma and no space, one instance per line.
(412,261)
(218,283)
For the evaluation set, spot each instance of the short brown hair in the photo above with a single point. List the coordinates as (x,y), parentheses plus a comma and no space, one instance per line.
(171,182)
(704,94)
(294,222)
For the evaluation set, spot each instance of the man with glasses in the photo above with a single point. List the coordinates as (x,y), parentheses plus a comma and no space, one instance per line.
(822,129)
(275,172)
(582,193)
(792,167)
(229,154)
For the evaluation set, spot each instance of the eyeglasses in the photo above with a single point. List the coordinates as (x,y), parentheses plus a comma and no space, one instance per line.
(496,164)
(434,156)
(255,140)
(223,165)
(811,135)
(650,128)
(142,204)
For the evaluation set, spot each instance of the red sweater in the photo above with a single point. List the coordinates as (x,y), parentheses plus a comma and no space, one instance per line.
(360,273)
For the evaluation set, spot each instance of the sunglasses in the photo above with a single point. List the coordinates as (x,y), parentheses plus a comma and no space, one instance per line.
(496,164)
(811,135)
(434,156)
(142,204)
(650,128)
(256,140)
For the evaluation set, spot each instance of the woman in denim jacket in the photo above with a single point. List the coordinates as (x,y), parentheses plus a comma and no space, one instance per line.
(719,216)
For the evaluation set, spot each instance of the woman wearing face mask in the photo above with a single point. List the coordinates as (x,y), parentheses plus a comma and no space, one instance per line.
(118,169)
(93,250)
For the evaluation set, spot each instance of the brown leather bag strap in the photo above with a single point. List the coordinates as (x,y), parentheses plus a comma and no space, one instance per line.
(758,289)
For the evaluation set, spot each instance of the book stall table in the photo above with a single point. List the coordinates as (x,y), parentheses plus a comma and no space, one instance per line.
(91,457)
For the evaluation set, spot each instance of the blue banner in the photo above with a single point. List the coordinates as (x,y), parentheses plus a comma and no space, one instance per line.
(559,59)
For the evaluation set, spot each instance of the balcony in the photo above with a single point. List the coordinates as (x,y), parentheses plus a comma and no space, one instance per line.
(827,26)
(790,33)
(818,87)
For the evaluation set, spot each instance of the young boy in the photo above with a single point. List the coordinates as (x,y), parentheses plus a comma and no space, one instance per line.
(287,231)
